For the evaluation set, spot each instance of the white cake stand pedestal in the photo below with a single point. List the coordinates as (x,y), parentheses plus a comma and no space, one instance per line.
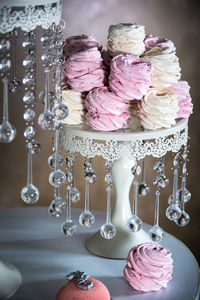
(123,147)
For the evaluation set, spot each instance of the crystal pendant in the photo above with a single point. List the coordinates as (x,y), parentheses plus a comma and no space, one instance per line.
(134,223)
(29,115)
(4,45)
(173,212)
(28,44)
(28,80)
(159,167)
(7,132)
(46,120)
(28,61)
(30,194)
(183,220)
(58,205)
(186,195)
(91,177)
(57,178)
(156,234)
(70,162)
(109,178)
(51,161)
(5,65)
(143,188)
(86,219)
(108,231)
(69,176)
(75,194)
(60,110)
(69,228)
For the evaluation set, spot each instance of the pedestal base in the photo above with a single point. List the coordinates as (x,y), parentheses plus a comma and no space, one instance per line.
(119,246)
(10,280)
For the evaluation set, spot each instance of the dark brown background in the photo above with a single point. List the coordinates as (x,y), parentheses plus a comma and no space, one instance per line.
(176,19)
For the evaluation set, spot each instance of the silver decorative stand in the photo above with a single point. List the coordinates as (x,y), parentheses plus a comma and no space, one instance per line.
(26,15)
(123,147)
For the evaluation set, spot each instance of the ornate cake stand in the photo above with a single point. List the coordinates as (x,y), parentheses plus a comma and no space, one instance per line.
(124,147)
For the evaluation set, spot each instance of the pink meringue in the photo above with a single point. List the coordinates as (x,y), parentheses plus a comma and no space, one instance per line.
(130,76)
(148,267)
(151,41)
(182,91)
(84,70)
(106,111)
(74,44)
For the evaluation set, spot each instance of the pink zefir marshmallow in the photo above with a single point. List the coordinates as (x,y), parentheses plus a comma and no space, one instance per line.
(74,44)
(106,111)
(130,76)
(148,267)
(151,41)
(84,70)
(182,90)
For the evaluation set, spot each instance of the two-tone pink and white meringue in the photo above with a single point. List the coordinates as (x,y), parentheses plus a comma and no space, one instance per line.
(151,41)
(158,109)
(106,111)
(182,91)
(130,76)
(75,103)
(148,267)
(126,38)
(84,70)
(74,44)
(167,70)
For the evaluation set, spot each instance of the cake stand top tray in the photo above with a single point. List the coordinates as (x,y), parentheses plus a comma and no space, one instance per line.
(27,15)
(133,141)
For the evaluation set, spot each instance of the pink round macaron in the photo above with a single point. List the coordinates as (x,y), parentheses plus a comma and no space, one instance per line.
(71,292)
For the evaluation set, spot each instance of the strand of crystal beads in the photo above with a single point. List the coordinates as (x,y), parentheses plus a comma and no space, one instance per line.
(7,130)
(134,223)
(30,193)
(108,230)
(14,85)
(184,218)
(46,119)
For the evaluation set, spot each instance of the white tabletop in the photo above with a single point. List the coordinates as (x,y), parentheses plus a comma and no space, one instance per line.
(33,242)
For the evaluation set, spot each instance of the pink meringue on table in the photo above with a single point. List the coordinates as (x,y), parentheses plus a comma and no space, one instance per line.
(182,91)
(148,267)
(74,44)
(130,76)
(106,111)
(151,41)
(84,70)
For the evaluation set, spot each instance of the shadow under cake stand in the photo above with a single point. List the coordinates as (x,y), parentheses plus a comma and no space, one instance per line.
(124,147)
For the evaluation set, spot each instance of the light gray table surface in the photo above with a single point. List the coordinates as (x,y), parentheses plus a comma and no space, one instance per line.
(32,241)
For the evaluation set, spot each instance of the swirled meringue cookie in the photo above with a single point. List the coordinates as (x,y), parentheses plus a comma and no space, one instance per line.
(75,103)
(148,267)
(126,38)
(182,91)
(167,70)
(130,76)
(158,109)
(151,41)
(84,70)
(106,111)
(74,44)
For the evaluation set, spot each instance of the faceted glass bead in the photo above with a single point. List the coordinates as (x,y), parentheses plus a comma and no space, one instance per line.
(54,213)
(58,204)
(57,178)
(29,132)
(69,176)
(143,189)
(51,161)
(108,164)
(4,45)
(14,86)
(28,61)
(28,43)
(158,167)
(87,166)
(29,80)
(75,195)
(60,110)
(183,220)
(29,97)
(30,194)
(46,40)
(5,65)
(108,231)
(34,146)
(46,120)
(134,224)
(187,195)
(29,115)
(86,219)
(69,228)
(109,178)
(91,177)
(7,132)
(70,162)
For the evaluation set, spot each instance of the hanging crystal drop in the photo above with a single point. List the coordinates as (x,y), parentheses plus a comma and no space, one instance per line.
(68,227)
(134,224)
(143,188)
(156,233)
(86,218)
